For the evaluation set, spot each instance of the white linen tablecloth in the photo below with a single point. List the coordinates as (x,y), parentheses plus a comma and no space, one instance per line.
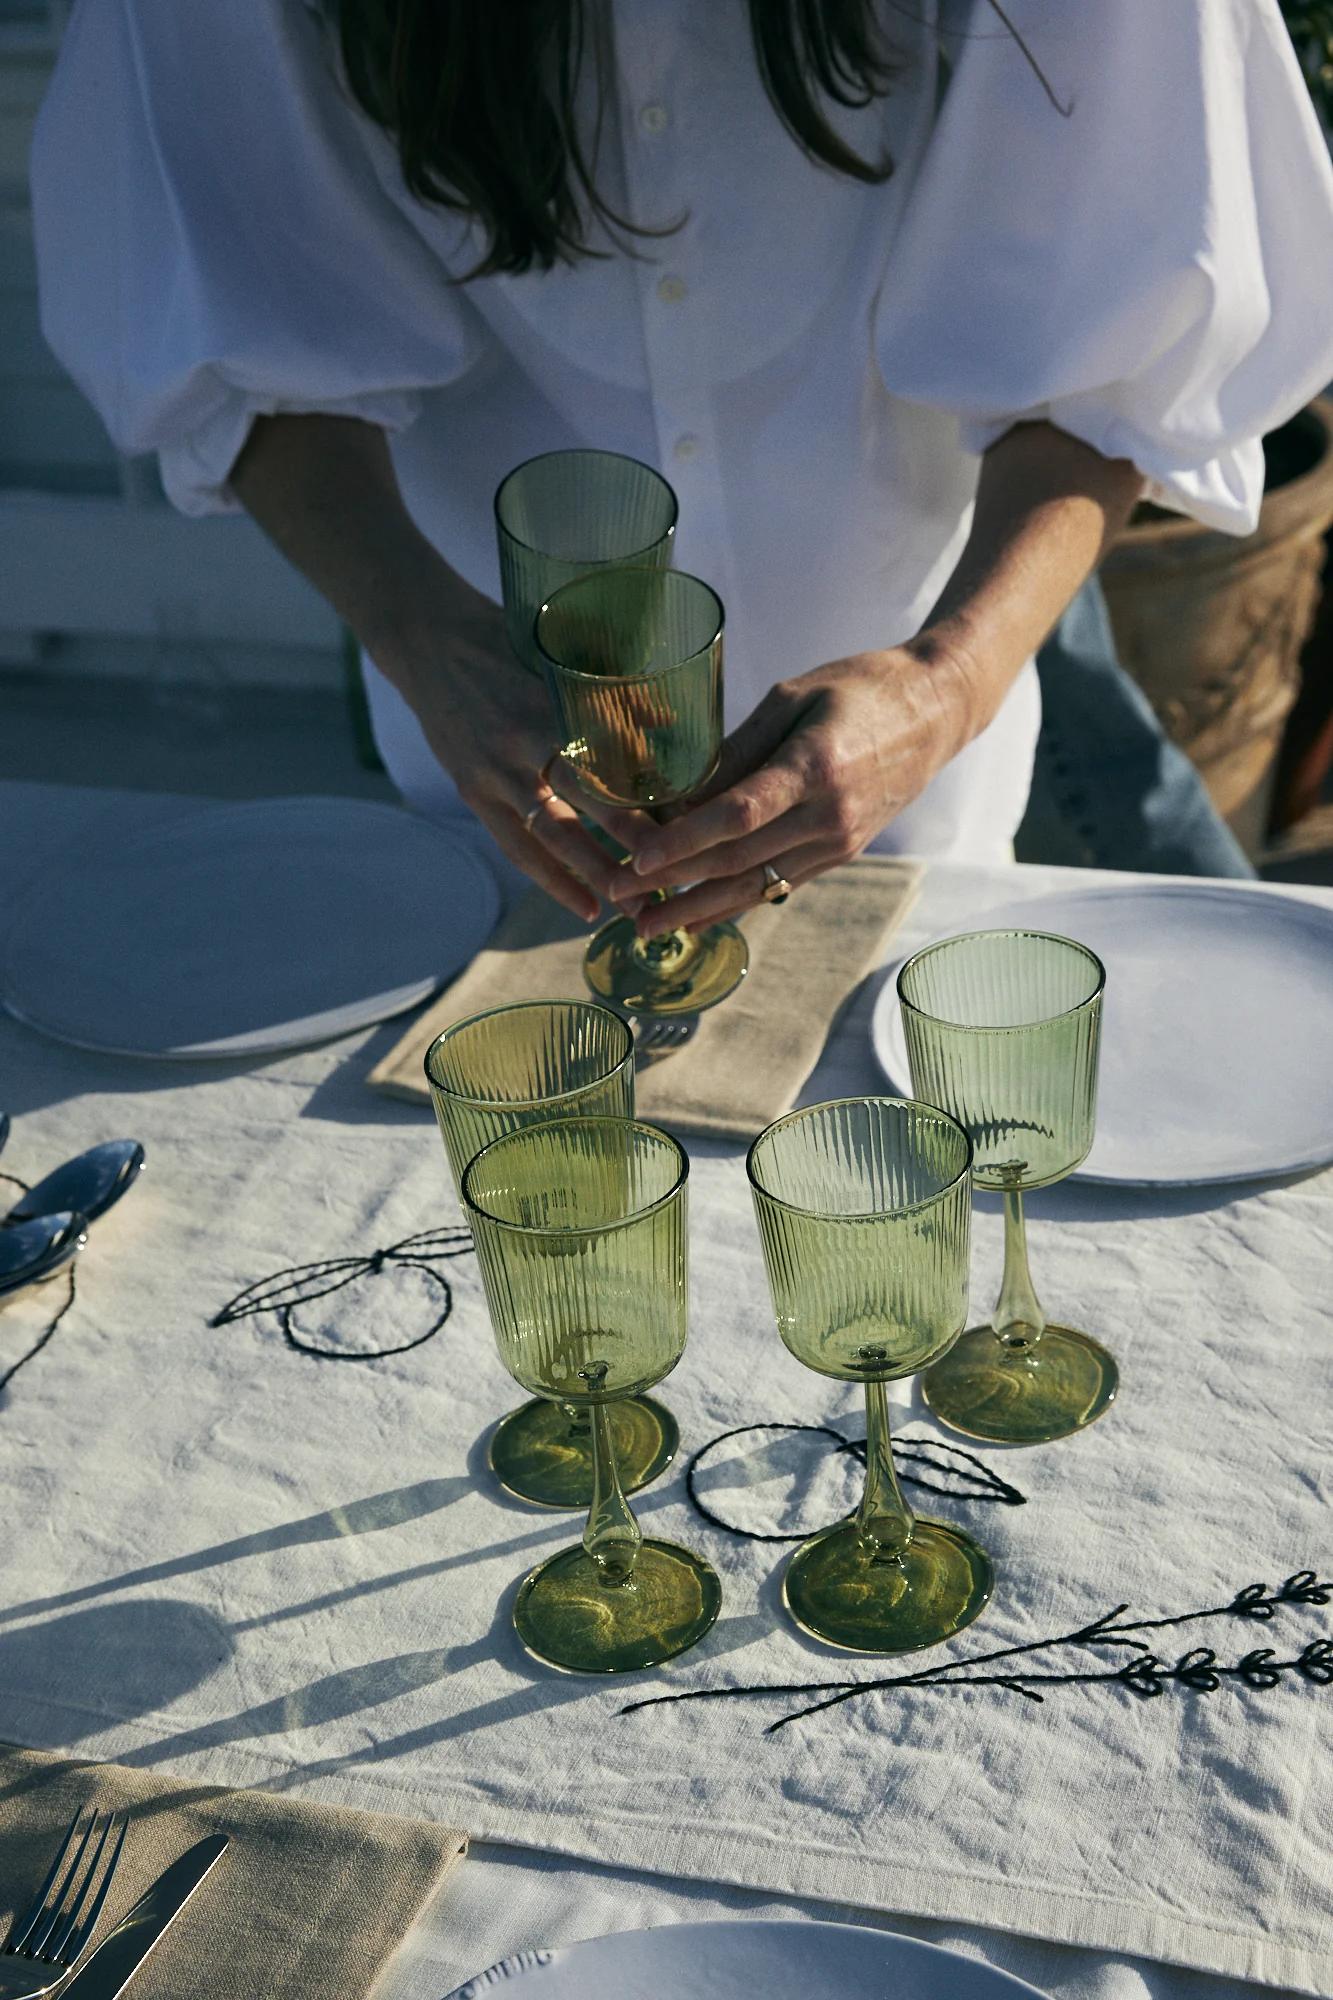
(234,1561)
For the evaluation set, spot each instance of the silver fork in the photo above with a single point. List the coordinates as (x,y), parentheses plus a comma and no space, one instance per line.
(658,1036)
(46,1940)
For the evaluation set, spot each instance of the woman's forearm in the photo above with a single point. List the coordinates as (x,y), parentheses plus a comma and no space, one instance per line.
(323,488)
(1047,508)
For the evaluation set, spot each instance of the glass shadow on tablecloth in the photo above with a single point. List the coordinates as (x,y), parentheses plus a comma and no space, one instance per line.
(151,1650)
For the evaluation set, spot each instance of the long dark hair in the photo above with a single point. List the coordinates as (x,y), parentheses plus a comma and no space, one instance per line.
(480,95)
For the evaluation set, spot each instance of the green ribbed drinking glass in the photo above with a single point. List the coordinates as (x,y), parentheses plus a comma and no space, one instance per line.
(494,1073)
(1003,1029)
(634,661)
(864,1207)
(568,512)
(580,1231)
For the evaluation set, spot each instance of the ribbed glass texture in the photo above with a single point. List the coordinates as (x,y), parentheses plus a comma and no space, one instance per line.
(1003,1029)
(634,660)
(526,1064)
(580,1231)
(568,512)
(864,1212)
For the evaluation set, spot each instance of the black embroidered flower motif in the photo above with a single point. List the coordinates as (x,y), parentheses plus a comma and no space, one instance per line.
(968,1477)
(285,1290)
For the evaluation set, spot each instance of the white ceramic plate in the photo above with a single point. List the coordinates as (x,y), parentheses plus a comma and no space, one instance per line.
(241,930)
(742,1961)
(1217,1034)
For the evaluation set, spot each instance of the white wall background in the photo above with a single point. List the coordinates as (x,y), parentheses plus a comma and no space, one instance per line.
(97,573)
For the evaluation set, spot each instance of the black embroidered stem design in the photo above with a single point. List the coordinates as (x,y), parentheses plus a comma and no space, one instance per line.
(978,1482)
(43,1337)
(1198,1671)
(282,1292)
(51,1324)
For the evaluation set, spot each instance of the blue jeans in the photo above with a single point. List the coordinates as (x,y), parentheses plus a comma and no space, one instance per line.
(1109,790)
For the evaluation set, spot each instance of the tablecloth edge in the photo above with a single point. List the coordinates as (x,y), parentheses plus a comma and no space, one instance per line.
(886,1888)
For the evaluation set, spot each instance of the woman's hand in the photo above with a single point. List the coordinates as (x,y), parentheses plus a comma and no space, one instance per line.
(829,758)
(824,762)
(490,723)
(324,489)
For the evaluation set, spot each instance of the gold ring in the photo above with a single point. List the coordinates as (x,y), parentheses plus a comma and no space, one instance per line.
(545,792)
(776,887)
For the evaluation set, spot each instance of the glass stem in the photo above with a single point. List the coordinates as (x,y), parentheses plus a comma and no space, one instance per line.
(661,952)
(612,1536)
(884,1520)
(666,947)
(1019,1321)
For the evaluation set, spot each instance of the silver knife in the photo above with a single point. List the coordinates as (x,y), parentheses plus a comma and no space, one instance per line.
(108,1970)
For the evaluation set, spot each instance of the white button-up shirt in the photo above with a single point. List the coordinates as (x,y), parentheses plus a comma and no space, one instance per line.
(814,363)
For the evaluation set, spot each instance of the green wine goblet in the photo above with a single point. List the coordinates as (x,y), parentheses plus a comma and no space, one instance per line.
(494,1073)
(864,1207)
(634,661)
(1003,1029)
(580,1231)
(567,512)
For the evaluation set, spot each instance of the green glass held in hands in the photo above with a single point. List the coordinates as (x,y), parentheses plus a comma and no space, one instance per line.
(580,1231)
(634,661)
(1003,1029)
(569,512)
(863,1208)
(492,1074)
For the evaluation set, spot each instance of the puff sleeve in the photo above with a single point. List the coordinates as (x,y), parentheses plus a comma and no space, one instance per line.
(1149,267)
(217,238)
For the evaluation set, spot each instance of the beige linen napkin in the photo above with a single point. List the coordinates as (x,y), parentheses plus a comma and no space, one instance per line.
(752,1054)
(308,1902)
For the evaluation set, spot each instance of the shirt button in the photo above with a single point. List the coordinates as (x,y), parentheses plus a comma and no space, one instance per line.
(687,445)
(654,118)
(671,289)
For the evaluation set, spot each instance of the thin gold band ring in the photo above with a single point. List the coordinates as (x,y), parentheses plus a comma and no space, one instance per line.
(545,792)
(776,887)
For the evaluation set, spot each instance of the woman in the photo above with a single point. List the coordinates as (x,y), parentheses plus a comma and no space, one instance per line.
(909,305)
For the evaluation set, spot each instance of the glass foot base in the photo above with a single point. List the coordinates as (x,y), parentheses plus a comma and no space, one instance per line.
(939,1585)
(1013,1395)
(538,1455)
(703,971)
(568,1617)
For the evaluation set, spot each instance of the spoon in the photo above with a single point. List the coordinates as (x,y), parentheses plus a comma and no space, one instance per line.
(33,1251)
(88,1185)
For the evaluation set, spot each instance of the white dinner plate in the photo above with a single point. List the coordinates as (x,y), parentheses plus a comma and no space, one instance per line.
(743,1961)
(1217,1032)
(241,930)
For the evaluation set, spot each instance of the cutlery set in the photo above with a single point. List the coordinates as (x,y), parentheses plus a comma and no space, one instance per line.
(45,1948)
(47,1945)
